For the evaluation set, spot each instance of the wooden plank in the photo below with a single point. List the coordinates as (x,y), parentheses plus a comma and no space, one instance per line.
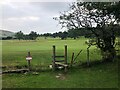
(16,71)
(59,60)
(65,65)
(59,56)
(77,55)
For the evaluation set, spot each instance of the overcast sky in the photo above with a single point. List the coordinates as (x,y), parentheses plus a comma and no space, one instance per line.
(28,16)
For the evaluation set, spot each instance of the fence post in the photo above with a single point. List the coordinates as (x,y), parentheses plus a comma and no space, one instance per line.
(29,66)
(65,54)
(53,58)
(88,62)
(72,59)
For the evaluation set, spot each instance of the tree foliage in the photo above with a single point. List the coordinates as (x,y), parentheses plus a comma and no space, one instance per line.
(31,36)
(19,35)
(98,17)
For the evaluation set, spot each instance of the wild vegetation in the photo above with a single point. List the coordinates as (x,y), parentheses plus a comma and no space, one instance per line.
(98,17)
(99,75)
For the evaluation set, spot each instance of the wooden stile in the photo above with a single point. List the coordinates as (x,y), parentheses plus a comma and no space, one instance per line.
(59,62)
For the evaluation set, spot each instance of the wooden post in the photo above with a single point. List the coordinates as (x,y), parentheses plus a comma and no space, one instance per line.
(72,59)
(65,57)
(65,54)
(53,58)
(88,59)
(29,66)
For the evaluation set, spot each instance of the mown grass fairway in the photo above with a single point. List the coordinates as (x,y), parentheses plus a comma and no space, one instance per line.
(97,76)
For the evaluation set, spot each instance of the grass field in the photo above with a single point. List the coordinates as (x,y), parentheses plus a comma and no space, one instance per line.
(14,53)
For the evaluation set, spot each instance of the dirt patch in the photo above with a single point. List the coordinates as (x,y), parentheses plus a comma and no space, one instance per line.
(61,76)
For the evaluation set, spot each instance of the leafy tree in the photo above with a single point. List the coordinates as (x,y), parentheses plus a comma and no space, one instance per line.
(54,35)
(73,33)
(96,17)
(33,35)
(7,38)
(26,37)
(59,34)
(114,9)
(64,35)
(117,28)
(19,35)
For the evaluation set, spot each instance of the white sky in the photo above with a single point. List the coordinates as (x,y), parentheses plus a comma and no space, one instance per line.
(31,16)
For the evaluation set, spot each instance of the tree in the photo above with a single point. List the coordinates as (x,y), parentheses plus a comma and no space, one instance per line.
(19,35)
(96,17)
(26,37)
(54,35)
(117,28)
(73,33)
(33,35)
(114,9)
(64,35)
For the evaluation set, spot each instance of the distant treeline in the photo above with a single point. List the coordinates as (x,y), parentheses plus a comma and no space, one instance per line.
(63,35)
(72,33)
(76,33)
(31,36)
(6,38)
(21,36)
